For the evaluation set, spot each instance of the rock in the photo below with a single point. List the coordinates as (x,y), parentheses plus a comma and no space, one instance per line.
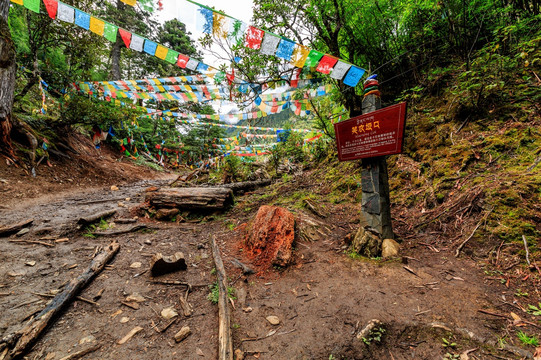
(114,188)
(270,236)
(23,232)
(247,309)
(166,214)
(239,354)
(389,248)
(273,320)
(87,340)
(366,243)
(30,263)
(135,297)
(199,352)
(124,320)
(160,265)
(183,334)
(169,313)
(136,265)
(148,242)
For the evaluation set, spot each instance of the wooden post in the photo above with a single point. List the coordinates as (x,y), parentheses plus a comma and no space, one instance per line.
(375,224)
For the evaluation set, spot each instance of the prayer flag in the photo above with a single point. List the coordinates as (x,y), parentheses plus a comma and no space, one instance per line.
(192,64)
(137,43)
(129,2)
(202,67)
(110,31)
(126,37)
(353,76)
(204,20)
(219,28)
(313,58)
(19,2)
(340,69)
(269,44)
(65,13)
(236,31)
(32,5)
(182,61)
(82,19)
(254,37)
(161,52)
(300,54)
(326,64)
(97,26)
(285,49)
(52,7)
(150,47)
(172,56)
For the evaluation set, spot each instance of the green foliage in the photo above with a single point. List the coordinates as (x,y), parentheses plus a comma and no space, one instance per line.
(535,310)
(448,343)
(214,294)
(528,340)
(375,335)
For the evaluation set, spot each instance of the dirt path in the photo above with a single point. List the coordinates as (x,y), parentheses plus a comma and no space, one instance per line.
(322,301)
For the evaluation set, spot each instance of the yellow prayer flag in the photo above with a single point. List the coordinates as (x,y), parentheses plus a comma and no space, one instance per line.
(300,54)
(161,52)
(156,81)
(129,2)
(161,88)
(97,26)
(20,2)
(218,26)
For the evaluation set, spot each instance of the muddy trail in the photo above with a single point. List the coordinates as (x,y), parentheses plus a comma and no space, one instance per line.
(431,304)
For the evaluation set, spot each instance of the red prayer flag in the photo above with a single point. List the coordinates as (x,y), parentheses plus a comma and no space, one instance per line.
(254,37)
(126,36)
(52,7)
(326,64)
(182,61)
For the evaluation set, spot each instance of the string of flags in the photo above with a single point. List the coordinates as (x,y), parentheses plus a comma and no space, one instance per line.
(222,26)
(244,127)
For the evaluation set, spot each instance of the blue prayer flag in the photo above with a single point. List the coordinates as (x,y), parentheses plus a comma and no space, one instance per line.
(82,19)
(353,76)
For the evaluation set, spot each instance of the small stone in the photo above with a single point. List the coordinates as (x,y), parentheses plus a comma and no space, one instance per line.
(23,232)
(127,199)
(136,298)
(166,214)
(239,354)
(114,188)
(247,309)
(124,320)
(30,263)
(183,334)
(121,204)
(169,313)
(87,340)
(199,352)
(389,248)
(148,242)
(273,320)
(136,265)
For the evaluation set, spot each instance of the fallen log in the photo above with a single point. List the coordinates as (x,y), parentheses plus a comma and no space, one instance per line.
(24,338)
(225,348)
(120,231)
(95,217)
(246,185)
(11,229)
(191,198)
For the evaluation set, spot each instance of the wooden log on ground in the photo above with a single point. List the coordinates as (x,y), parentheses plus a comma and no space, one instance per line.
(129,229)
(11,229)
(191,198)
(25,337)
(225,351)
(89,219)
(247,185)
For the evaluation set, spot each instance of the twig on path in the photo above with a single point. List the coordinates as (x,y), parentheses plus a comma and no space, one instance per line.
(271,333)
(82,353)
(457,253)
(527,251)
(36,242)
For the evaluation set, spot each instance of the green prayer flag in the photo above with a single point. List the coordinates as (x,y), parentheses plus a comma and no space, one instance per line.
(172,56)
(219,77)
(32,5)
(313,58)
(109,32)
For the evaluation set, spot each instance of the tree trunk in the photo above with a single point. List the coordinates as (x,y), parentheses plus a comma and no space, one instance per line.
(115,52)
(7,80)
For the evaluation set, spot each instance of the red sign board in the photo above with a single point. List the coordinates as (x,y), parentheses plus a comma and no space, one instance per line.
(370,135)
